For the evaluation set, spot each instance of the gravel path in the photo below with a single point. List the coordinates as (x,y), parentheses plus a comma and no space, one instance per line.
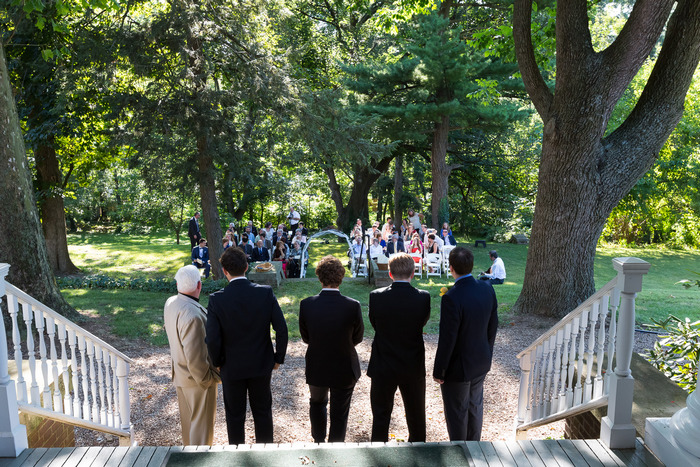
(156,420)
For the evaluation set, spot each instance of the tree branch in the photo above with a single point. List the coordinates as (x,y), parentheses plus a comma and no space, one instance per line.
(532,78)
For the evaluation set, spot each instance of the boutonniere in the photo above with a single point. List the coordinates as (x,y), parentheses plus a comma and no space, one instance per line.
(444,290)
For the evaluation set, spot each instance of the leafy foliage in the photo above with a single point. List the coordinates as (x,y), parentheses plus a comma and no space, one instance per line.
(100,281)
(677,353)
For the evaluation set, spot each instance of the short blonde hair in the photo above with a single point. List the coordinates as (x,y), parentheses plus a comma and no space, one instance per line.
(401,266)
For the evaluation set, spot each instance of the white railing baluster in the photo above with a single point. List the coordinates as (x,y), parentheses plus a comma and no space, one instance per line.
(548,379)
(115,384)
(524,389)
(593,320)
(21,386)
(73,343)
(82,345)
(598,385)
(93,381)
(101,385)
(612,337)
(578,390)
(572,364)
(46,391)
(542,375)
(65,373)
(124,406)
(51,331)
(557,372)
(108,382)
(28,315)
(564,367)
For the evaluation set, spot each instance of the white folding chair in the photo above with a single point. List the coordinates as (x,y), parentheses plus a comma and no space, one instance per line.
(446,258)
(433,265)
(419,263)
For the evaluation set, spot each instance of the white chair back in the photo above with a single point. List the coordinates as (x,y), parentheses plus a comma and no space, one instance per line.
(433,264)
(419,263)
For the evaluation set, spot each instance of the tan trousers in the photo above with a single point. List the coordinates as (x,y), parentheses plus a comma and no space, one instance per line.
(197,411)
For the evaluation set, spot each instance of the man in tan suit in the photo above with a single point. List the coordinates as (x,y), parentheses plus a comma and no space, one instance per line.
(194,376)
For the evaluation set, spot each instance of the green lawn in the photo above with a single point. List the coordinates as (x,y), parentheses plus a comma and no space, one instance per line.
(139,314)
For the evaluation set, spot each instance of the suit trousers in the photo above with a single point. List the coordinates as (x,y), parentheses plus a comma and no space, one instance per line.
(340,409)
(197,410)
(381,396)
(464,408)
(259,395)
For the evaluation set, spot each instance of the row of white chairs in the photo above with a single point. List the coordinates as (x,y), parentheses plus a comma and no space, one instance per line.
(434,264)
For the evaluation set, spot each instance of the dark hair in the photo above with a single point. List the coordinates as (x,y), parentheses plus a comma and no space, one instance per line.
(234,261)
(493,254)
(262,234)
(268,224)
(244,238)
(330,271)
(202,240)
(431,236)
(462,260)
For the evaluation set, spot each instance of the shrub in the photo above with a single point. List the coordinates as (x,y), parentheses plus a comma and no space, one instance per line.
(676,354)
(99,281)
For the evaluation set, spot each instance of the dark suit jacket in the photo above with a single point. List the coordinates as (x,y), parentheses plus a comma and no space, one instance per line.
(390,247)
(238,330)
(452,239)
(247,249)
(468,323)
(193,229)
(205,254)
(332,326)
(398,314)
(264,256)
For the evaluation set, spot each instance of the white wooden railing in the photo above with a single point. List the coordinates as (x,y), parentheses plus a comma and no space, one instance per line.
(572,367)
(73,376)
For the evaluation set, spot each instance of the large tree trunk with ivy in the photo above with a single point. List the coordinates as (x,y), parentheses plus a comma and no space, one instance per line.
(441,173)
(23,245)
(583,173)
(53,215)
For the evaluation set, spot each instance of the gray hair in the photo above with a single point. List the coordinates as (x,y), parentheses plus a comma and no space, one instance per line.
(187,278)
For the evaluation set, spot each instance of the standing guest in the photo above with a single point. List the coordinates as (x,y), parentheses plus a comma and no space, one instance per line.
(232,232)
(193,230)
(387,230)
(446,226)
(193,374)
(251,229)
(293,218)
(468,323)
(331,324)
(496,274)
(304,230)
(238,338)
(395,245)
(398,314)
(423,233)
(404,227)
(357,229)
(269,231)
(415,219)
(448,238)
(200,256)
(280,254)
(248,233)
(260,253)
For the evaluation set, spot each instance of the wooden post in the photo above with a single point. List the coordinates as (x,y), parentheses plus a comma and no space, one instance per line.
(616,429)
(13,436)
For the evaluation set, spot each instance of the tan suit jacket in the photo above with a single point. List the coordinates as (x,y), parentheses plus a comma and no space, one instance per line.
(185,321)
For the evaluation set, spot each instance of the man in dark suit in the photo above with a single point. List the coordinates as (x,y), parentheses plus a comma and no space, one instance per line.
(238,339)
(193,230)
(395,245)
(398,314)
(246,247)
(448,238)
(200,256)
(332,326)
(468,323)
(260,253)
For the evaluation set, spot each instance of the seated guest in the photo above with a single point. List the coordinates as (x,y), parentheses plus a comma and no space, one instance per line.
(446,226)
(496,274)
(357,229)
(375,250)
(438,240)
(358,247)
(262,235)
(387,229)
(300,238)
(430,247)
(404,227)
(447,238)
(416,246)
(395,245)
(332,326)
(378,236)
(408,233)
(233,233)
(279,236)
(200,256)
(269,231)
(423,232)
(371,232)
(250,235)
(253,230)
(304,231)
(280,254)
(246,247)
(227,241)
(260,253)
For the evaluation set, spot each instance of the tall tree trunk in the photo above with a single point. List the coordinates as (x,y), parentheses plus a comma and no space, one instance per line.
(23,245)
(398,189)
(53,213)
(441,172)
(210,212)
(583,173)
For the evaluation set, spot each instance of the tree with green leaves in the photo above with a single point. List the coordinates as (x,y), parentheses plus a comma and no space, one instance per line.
(584,172)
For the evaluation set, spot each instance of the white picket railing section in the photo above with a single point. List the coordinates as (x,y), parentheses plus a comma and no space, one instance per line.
(569,369)
(77,378)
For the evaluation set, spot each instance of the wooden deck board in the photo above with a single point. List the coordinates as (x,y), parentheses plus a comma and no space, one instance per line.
(586,452)
(476,454)
(531,453)
(604,454)
(17,461)
(490,454)
(544,453)
(572,452)
(504,454)
(144,456)
(130,457)
(518,454)
(103,456)
(89,456)
(117,455)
